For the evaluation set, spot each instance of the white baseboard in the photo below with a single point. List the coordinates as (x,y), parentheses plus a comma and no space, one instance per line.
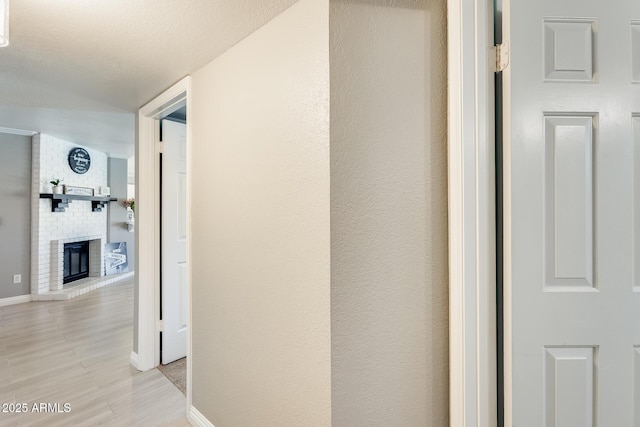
(20,299)
(133,359)
(197,419)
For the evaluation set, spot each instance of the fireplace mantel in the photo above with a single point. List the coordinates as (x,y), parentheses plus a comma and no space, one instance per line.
(59,202)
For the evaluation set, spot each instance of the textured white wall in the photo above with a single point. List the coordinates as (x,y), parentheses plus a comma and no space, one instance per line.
(388,213)
(260,221)
(320,281)
(50,160)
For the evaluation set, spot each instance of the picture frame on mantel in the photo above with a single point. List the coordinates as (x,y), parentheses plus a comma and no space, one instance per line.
(78,191)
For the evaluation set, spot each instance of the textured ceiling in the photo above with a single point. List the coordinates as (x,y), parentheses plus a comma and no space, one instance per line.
(79,69)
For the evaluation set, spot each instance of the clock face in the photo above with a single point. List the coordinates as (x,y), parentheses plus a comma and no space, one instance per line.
(79,160)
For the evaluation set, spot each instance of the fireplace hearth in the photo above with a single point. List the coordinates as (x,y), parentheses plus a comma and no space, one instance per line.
(75,261)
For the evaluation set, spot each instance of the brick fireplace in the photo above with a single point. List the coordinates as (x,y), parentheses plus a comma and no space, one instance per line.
(51,230)
(96,258)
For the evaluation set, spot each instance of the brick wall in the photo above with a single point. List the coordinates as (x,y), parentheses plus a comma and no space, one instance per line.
(49,160)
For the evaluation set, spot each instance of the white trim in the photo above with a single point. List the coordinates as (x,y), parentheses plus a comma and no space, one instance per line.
(20,299)
(189,249)
(17,131)
(133,359)
(146,280)
(471,215)
(197,419)
(148,225)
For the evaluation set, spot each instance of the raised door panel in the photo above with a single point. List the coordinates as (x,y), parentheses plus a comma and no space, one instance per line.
(569,203)
(569,386)
(636,203)
(636,386)
(635,51)
(568,50)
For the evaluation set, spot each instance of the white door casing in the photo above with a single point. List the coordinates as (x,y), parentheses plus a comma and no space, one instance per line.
(174,241)
(147,298)
(146,355)
(471,165)
(572,217)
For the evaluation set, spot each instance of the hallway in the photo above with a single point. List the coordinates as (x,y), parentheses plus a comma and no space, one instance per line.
(77,353)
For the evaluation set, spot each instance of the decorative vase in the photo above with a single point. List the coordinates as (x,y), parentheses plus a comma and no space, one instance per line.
(57,189)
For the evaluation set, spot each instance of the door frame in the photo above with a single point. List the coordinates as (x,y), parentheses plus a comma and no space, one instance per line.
(472,231)
(147,283)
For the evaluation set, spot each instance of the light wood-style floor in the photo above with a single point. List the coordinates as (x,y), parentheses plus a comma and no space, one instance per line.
(77,352)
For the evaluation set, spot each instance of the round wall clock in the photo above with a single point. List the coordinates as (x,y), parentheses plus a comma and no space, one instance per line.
(79,160)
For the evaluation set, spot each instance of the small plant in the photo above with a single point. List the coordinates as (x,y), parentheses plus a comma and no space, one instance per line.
(130,203)
(55,181)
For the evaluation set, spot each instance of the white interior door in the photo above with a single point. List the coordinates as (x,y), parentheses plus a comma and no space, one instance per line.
(573,199)
(174,241)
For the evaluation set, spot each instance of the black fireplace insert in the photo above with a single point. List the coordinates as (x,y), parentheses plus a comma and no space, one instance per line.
(76,261)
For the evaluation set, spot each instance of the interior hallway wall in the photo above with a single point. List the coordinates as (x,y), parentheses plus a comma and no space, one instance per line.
(117,214)
(319,220)
(389,265)
(15,214)
(260,223)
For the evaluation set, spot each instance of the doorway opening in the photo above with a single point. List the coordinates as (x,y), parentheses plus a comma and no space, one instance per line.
(173,238)
(152,320)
